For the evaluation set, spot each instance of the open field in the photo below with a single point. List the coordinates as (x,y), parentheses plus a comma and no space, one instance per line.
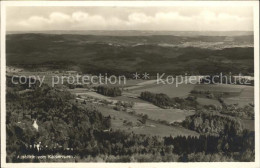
(206,101)
(248,92)
(245,97)
(226,88)
(126,83)
(233,94)
(240,101)
(157,113)
(141,107)
(150,128)
(140,84)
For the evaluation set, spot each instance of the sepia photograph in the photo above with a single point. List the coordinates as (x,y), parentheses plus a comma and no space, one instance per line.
(129,82)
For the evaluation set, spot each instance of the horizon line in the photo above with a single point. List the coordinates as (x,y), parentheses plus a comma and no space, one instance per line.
(138,30)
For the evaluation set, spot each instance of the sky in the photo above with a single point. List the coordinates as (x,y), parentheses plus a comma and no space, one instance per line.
(176,18)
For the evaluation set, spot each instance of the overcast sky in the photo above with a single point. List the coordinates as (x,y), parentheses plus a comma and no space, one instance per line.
(130,18)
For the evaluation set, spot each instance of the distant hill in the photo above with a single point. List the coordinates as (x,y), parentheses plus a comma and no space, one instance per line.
(128,54)
(140,33)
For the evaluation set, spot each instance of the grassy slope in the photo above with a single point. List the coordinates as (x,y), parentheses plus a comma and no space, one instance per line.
(151,128)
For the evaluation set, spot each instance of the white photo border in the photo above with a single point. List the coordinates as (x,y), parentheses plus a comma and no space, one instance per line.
(254,4)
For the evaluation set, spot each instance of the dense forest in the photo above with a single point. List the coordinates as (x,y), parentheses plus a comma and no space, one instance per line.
(109,91)
(66,128)
(213,123)
(164,101)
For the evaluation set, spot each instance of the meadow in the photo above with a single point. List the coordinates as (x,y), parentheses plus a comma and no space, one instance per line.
(151,127)
(206,101)
(232,94)
(157,113)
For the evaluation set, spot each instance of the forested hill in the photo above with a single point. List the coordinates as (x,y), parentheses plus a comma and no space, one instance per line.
(128,54)
(64,127)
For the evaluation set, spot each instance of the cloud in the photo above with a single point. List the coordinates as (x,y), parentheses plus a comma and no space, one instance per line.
(55,19)
(222,21)
(79,20)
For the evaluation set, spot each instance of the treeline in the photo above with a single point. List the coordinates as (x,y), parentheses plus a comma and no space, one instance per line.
(109,91)
(164,101)
(118,146)
(21,83)
(237,145)
(213,123)
(161,100)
